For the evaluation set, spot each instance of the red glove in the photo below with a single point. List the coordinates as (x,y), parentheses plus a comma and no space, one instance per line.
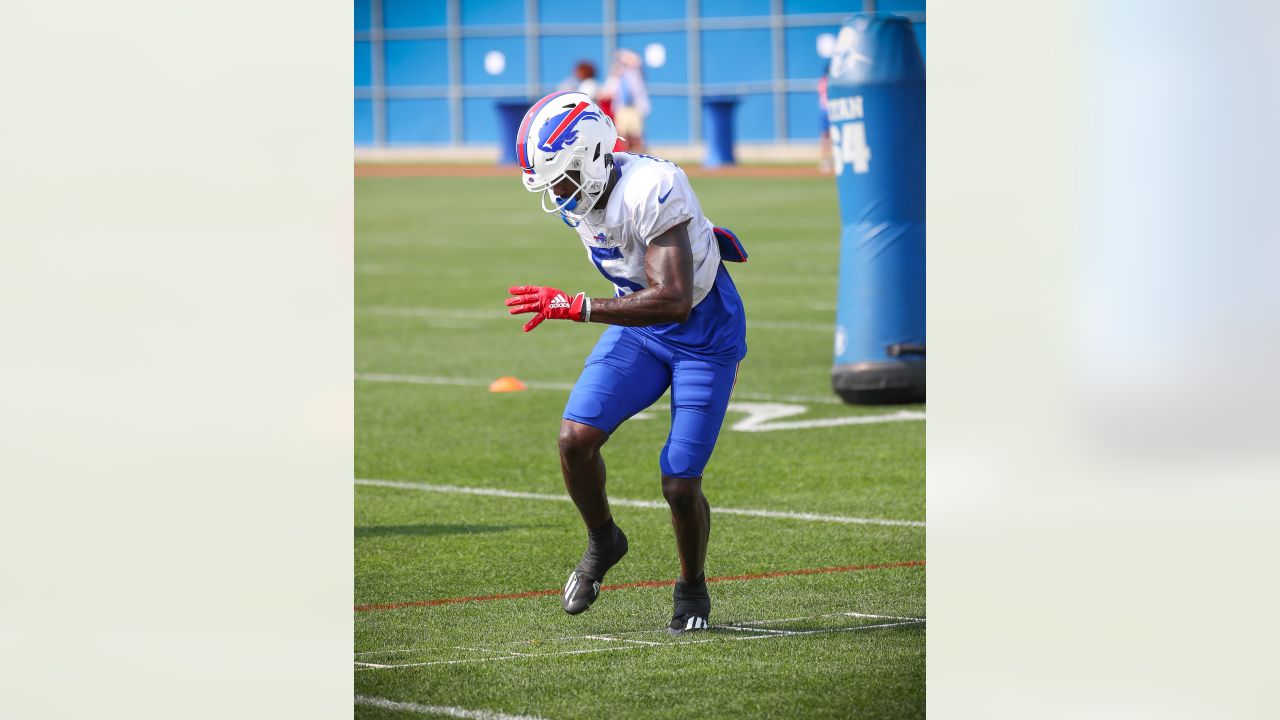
(548,303)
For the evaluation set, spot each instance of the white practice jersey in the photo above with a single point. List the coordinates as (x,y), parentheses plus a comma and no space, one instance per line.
(651,196)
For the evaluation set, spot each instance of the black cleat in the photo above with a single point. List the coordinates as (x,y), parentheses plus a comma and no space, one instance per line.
(605,547)
(686,623)
(579,592)
(693,607)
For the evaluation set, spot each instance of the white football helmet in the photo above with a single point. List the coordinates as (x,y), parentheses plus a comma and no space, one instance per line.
(566,131)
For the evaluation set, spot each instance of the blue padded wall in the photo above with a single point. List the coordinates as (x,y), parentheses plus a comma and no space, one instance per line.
(558,54)
(724,59)
(900,6)
(802,59)
(364,15)
(474,51)
(413,13)
(416,62)
(753,118)
(364,122)
(363,64)
(570,12)
(676,44)
(733,8)
(417,122)
(669,121)
(804,118)
(493,12)
(631,10)
(813,7)
(480,121)
(736,43)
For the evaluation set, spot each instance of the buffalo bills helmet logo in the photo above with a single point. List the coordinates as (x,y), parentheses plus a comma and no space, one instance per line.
(559,130)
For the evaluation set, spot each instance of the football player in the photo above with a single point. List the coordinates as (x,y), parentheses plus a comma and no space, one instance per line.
(676,322)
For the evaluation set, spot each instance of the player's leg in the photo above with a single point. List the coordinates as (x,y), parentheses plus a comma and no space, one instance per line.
(691,521)
(583,468)
(620,379)
(699,398)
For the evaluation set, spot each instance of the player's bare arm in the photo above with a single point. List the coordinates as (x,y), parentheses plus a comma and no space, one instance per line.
(669,298)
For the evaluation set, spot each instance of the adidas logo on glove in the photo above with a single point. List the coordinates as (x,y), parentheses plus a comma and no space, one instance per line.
(548,304)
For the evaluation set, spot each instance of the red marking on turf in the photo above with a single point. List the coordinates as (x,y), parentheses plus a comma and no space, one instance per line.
(640,584)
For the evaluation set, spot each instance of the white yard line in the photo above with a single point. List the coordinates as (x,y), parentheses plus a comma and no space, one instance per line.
(488,650)
(772,621)
(617,639)
(456,712)
(651,504)
(882,617)
(546,385)
(900,416)
(746,626)
(826,631)
(513,656)
(829,615)
(764,417)
(761,416)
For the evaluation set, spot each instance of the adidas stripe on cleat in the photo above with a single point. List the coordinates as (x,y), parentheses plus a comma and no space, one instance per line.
(579,592)
(692,606)
(605,547)
(687,623)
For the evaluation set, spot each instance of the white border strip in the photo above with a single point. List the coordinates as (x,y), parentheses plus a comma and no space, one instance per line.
(438,709)
(624,502)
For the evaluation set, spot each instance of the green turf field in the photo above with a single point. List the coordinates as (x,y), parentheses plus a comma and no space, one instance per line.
(433,260)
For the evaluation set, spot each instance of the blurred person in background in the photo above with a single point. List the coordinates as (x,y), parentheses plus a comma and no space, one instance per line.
(582,80)
(625,89)
(824,123)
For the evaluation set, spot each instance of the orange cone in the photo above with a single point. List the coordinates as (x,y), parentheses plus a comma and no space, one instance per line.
(506,384)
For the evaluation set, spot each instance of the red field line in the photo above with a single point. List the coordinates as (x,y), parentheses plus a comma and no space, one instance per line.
(640,584)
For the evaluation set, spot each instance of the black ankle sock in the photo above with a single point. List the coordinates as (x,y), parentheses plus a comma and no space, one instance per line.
(605,531)
(691,597)
(605,546)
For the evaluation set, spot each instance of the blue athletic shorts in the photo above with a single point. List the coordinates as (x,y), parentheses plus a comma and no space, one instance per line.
(628,371)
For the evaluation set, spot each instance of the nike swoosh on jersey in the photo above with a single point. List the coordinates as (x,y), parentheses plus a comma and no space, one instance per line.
(663,198)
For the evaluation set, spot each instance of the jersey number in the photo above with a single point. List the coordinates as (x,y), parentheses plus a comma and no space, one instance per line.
(849,145)
(655,158)
(599,255)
